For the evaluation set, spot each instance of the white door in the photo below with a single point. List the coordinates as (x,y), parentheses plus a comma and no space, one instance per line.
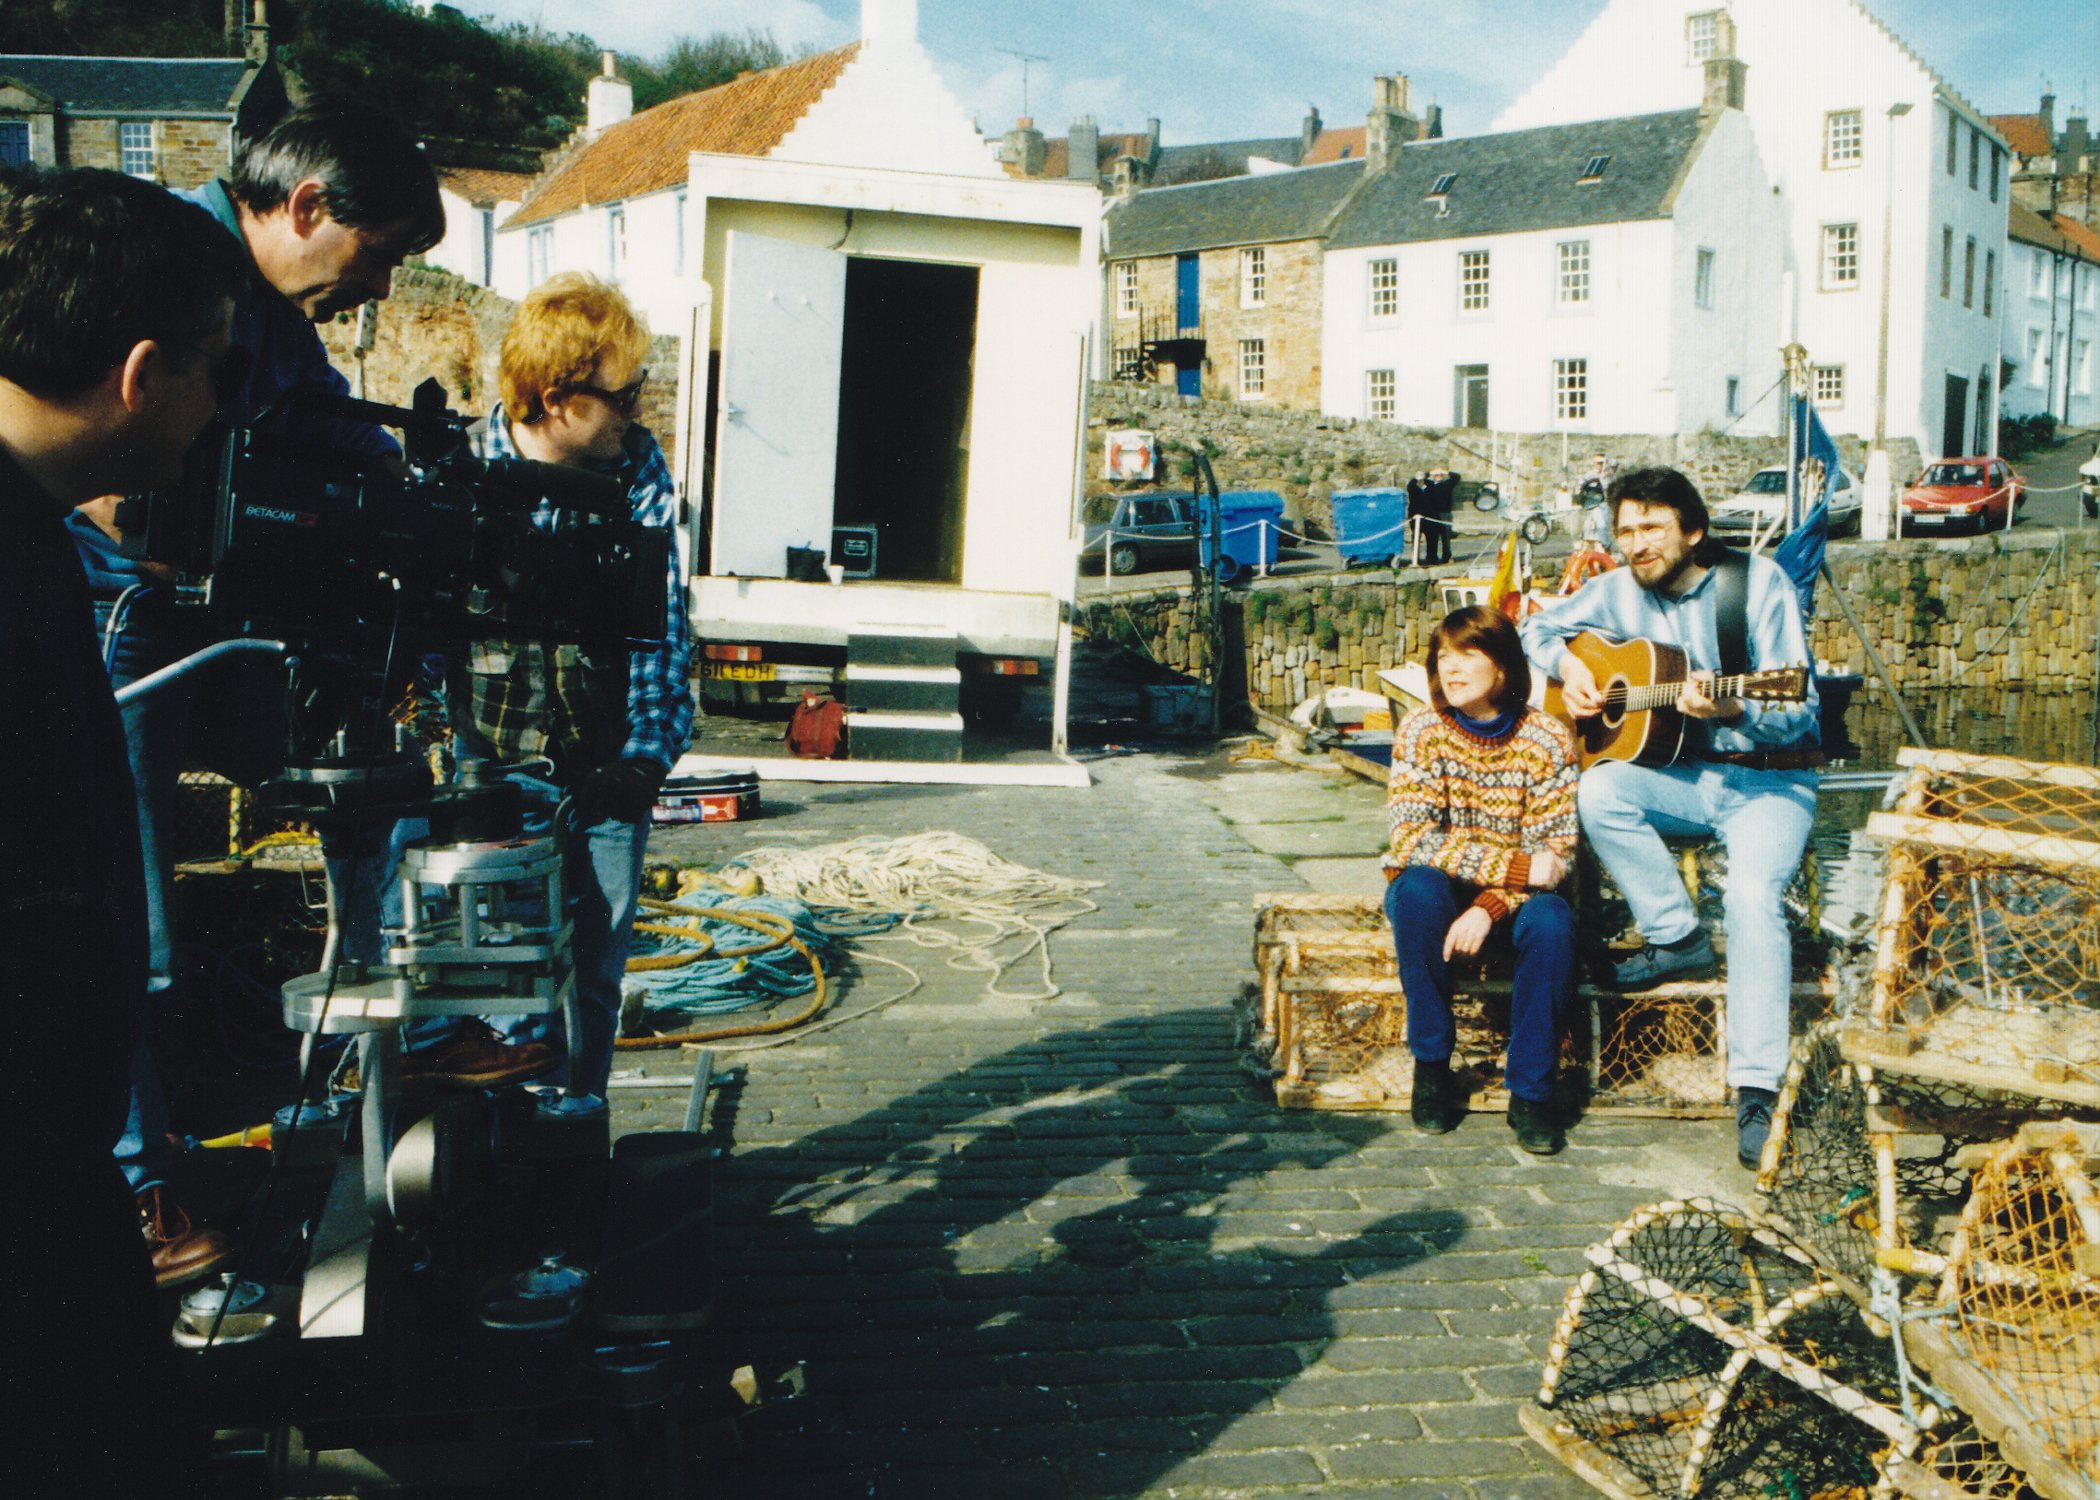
(777,417)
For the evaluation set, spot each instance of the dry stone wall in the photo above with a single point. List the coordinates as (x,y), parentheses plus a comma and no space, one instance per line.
(1984,613)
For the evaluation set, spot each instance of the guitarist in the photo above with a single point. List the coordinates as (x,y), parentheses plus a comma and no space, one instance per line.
(1748,777)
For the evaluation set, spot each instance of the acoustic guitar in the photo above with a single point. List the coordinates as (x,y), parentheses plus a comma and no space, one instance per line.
(1641,681)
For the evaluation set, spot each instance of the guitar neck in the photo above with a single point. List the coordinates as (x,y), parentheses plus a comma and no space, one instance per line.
(1665,694)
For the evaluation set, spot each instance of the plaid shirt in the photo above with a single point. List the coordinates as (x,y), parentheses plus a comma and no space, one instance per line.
(530,698)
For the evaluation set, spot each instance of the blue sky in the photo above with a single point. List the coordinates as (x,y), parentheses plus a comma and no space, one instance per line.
(1221,69)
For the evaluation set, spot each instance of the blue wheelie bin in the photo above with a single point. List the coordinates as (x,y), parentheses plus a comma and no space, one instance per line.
(1249,522)
(1370,525)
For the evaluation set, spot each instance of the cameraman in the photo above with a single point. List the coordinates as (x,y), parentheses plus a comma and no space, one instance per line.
(611,725)
(322,208)
(115,349)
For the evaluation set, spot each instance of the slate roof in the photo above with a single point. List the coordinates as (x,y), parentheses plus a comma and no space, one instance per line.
(647,152)
(1176,163)
(2024,133)
(160,86)
(483,186)
(1262,209)
(1519,180)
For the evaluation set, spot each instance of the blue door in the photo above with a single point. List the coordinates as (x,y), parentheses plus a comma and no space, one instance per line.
(1188,380)
(1188,295)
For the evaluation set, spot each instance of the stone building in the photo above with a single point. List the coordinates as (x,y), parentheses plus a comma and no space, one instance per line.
(2053,171)
(173,120)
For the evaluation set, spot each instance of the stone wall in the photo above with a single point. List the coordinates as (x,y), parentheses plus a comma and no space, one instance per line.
(1288,322)
(1306,456)
(193,152)
(1986,613)
(436,323)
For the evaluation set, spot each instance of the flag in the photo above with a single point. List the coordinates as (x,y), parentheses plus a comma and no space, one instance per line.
(1816,457)
(1504,591)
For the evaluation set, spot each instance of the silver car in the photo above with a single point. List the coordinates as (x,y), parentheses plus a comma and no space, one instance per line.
(1759,507)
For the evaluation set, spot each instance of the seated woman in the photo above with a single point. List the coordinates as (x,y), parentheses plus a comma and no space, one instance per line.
(1482,806)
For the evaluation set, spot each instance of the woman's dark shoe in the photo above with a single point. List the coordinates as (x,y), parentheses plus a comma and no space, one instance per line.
(1537,1126)
(1434,1105)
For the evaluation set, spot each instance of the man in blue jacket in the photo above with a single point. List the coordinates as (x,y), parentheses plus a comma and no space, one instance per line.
(1748,778)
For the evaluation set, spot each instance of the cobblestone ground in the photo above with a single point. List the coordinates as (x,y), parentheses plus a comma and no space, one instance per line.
(1068,1248)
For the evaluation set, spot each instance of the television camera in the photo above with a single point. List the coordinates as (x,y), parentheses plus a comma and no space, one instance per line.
(458,1261)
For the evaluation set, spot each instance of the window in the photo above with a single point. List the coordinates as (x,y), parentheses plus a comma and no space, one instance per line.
(678,233)
(1384,290)
(1129,363)
(1953,140)
(1254,277)
(1703,279)
(1254,379)
(615,242)
(1571,390)
(1702,36)
(1968,274)
(1841,138)
(14,143)
(1994,173)
(1827,382)
(1381,395)
(2037,274)
(2082,363)
(538,244)
(1574,281)
(1593,169)
(1472,280)
(1840,256)
(1443,185)
(135,147)
(1946,260)
(1735,396)
(1975,153)
(1990,280)
(1126,288)
(2085,289)
(2037,358)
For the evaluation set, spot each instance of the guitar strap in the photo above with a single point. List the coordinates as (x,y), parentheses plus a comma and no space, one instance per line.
(1732,611)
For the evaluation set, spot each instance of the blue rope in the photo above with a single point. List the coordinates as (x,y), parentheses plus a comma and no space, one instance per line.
(712,985)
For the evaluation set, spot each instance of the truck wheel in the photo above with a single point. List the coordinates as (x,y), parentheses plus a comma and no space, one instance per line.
(1123,559)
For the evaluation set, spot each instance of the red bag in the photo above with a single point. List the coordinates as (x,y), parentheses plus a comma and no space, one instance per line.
(818,729)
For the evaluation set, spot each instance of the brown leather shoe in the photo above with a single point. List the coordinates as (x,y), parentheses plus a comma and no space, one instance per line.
(474,1057)
(181,1251)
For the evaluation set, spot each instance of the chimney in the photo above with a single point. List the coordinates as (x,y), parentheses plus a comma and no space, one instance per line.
(609,99)
(888,23)
(256,40)
(1083,150)
(2049,119)
(1389,126)
(1310,130)
(1433,123)
(2077,143)
(1022,147)
(1127,177)
(1724,85)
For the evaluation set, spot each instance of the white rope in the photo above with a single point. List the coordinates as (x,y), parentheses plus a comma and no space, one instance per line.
(949,892)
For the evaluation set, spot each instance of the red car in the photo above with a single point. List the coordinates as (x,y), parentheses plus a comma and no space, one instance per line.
(1962,494)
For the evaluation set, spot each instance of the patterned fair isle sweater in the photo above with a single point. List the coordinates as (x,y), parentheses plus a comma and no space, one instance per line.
(1478,808)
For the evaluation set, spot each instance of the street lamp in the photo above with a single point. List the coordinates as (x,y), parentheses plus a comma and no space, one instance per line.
(1877,517)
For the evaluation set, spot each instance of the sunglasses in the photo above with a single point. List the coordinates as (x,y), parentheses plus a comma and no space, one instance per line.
(627,400)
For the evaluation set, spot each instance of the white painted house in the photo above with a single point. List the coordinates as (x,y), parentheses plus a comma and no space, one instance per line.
(2052,319)
(1855,131)
(1613,276)
(477,203)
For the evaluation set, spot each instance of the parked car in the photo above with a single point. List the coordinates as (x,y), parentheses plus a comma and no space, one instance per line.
(1973,494)
(1760,506)
(1140,530)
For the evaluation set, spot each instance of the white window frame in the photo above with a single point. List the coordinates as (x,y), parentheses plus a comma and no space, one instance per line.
(1827,383)
(2082,368)
(1126,288)
(2084,279)
(136,157)
(1571,282)
(1839,262)
(2037,275)
(1254,369)
(1476,273)
(1844,139)
(1571,389)
(1703,260)
(1702,37)
(2037,358)
(1129,363)
(616,242)
(1382,395)
(539,253)
(1382,289)
(1254,276)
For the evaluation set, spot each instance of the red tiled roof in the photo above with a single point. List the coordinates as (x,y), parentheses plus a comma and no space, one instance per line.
(646,153)
(482,186)
(2024,133)
(1057,151)
(2080,235)
(1336,145)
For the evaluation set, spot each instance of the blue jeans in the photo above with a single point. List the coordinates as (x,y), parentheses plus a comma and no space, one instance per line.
(1421,904)
(1762,818)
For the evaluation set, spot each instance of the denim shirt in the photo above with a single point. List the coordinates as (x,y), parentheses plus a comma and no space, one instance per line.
(1615,604)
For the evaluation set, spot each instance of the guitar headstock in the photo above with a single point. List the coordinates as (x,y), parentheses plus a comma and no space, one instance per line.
(1778,685)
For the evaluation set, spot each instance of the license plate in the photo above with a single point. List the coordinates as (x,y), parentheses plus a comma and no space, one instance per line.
(1927,518)
(738,671)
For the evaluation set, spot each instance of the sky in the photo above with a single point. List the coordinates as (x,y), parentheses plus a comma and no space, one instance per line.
(1236,69)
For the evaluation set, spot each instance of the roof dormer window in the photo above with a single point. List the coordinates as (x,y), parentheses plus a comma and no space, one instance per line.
(1593,169)
(1442,186)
